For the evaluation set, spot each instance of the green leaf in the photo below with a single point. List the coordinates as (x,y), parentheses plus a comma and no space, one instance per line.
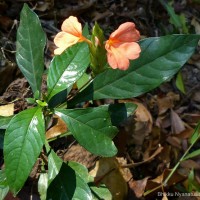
(81,170)
(120,112)
(30,45)
(83,80)
(4,121)
(193,154)
(92,128)
(179,83)
(67,68)
(68,185)
(101,193)
(160,59)
(23,142)
(4,188)
(54,163)
(42,185)
(195,136)
(174,18)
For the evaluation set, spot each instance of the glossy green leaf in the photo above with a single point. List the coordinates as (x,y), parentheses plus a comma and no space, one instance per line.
(67,68)
(101,192)
(54,163)
(23,142)
(174,18)
(81,170)
(195,136)
(42,185)
(4,121)
(192,154)
(92,128)
(68,185)
(4,188)
(30,45)
(160,59)
(179,82)
(120,112)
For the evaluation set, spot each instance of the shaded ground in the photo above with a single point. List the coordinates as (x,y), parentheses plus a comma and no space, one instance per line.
(166,117)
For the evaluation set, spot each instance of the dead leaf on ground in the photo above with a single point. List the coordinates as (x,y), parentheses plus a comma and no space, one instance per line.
(190,164)
(167,102)
(107,171)
(174,141)
(140,125)
(187,133)
(78,154)
(7,110)
(57,129)
(158,150)
(177,124)
(138,186)
(158,181)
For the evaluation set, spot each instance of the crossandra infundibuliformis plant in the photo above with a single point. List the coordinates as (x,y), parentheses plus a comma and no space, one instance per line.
(120,67)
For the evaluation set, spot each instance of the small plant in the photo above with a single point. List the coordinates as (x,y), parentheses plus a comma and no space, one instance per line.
(117,68)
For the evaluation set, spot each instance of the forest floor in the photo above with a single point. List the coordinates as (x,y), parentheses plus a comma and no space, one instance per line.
(152,142)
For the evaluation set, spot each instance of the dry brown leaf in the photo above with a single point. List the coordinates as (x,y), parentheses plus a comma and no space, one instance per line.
(190,164)
(126,173)
(107,171)
(158,150)
(56,130)
(137,126)
(196,24)
(187,133)
(174,141)
(7,110)
(176,123)
(167,102)
(78,154)
(175,178)
(138,186)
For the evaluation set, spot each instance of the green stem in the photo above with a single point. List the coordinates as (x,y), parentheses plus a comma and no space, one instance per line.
(164,184)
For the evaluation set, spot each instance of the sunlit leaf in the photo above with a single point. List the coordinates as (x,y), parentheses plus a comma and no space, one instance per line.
(30,45)
(92,128)
(23,142)
(4,188)
(67,68)
(4,121)
(42,185)
(161,58)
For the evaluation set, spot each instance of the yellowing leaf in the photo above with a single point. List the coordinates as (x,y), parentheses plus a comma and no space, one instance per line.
(7,110)
(57,130)
(108,172)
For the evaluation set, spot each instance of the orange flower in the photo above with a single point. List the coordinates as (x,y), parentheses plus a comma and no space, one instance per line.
(122,47)
(71,34)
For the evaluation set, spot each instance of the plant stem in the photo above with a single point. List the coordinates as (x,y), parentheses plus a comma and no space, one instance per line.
(164,184)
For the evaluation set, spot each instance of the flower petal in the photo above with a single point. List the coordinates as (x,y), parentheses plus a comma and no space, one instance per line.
(72,26)
(58,51)
(65,40)
(131,50)
(126,33)
(117,60)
